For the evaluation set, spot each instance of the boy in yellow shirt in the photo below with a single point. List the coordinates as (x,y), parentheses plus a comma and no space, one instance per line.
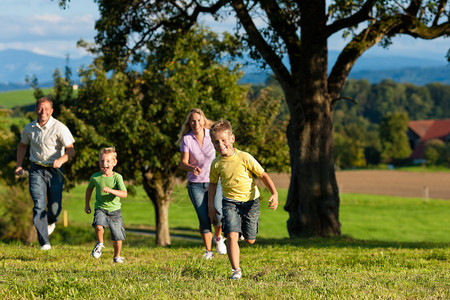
(240,205)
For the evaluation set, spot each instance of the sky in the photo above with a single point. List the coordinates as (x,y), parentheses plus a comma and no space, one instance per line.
(42,27)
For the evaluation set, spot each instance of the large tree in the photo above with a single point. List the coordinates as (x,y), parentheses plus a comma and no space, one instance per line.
(275,31)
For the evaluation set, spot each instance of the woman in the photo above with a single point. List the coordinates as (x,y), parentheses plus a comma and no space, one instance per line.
(197,153)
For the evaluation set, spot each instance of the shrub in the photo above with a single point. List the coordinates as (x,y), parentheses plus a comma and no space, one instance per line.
(16,221)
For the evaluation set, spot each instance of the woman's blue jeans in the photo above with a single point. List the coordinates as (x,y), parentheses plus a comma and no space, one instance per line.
(198,192)
(45,183)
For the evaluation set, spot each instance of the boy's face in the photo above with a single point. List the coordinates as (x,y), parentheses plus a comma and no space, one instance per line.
(107,163)
(223,143)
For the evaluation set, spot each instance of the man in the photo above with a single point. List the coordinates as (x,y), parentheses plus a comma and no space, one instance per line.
(51,145)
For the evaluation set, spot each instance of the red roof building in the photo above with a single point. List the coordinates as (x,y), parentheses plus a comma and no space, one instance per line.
(419,132)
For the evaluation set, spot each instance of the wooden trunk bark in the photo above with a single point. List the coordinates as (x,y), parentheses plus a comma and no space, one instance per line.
(159,188)
(313,197)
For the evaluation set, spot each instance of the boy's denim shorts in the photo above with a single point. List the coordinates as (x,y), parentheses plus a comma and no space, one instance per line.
(241,217)
(113,220)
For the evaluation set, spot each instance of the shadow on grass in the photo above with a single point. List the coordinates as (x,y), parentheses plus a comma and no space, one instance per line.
(187,238)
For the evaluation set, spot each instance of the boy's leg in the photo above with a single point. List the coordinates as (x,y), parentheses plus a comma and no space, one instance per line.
(117,247)
(250,220)
(99,231)
(233,250)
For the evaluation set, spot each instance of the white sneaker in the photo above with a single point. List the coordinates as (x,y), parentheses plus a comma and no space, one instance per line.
(46,247)
(237,274)
(97,251)
(119,259)
(220,245)
(50,228)
(208,255)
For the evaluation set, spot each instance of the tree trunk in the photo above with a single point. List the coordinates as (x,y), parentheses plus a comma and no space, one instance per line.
(313,198)
(159,188)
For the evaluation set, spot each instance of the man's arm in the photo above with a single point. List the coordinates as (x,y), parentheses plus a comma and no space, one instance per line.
(21,150)
(69,153)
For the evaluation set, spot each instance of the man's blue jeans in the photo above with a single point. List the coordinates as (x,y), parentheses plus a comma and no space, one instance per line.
(45,184)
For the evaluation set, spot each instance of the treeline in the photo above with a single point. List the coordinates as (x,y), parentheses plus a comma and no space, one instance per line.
(370,121)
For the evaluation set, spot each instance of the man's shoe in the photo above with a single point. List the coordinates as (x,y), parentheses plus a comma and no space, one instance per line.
(208,255)
(50,228)
(97,251)
(46,247)
(220,245)
(237,274)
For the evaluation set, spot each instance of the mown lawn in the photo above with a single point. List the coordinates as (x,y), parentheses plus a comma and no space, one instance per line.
(391,247)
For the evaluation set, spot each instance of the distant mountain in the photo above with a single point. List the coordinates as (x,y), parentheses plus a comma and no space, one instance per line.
(16,65)
(414,70)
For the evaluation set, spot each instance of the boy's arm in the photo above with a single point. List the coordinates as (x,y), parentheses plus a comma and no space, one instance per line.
(87,200)
(212,211)
(273,200)
(117,193)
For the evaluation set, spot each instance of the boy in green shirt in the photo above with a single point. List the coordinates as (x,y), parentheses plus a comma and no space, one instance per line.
(109,189)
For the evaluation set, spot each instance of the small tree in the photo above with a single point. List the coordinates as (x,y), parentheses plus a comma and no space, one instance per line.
(141,113)
(393,137)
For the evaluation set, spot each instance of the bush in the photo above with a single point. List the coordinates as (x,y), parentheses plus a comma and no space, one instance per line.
(16,218)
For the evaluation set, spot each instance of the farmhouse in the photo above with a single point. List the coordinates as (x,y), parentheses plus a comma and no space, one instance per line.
(419,132)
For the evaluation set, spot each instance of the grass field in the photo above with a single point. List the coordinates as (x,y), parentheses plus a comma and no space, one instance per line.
(12,99)
(392,247)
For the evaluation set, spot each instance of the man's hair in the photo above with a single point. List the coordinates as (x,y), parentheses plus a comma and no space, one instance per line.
(44,99)
(108,150)
(221,126)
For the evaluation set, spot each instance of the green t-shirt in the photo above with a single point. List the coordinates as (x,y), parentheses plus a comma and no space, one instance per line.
(105,201)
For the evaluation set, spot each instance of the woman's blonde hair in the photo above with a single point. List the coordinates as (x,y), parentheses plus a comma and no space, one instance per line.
(108,150)
(187,127)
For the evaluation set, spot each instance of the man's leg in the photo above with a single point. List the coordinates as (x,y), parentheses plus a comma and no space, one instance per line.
(38,192)
(56,181)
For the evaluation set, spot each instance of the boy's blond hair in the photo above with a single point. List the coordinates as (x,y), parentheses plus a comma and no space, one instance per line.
(221,126)
(108,150)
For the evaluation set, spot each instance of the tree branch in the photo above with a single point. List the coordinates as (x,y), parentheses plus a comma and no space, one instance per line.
(360,16)
(258,41)
(286,30)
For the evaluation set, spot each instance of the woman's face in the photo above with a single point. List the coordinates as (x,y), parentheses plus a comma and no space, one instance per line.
(197,123)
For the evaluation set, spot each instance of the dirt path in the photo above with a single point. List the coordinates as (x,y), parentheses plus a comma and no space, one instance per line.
(387,182)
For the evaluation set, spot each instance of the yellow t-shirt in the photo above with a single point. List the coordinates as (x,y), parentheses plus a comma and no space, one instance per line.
(235,173)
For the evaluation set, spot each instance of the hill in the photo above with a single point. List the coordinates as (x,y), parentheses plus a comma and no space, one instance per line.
(16,65)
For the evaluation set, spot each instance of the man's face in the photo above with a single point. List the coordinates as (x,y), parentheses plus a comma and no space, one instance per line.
(44,111)
(223,143)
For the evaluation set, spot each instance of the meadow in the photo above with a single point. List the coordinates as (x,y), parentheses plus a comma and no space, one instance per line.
(391,247)
(11,99)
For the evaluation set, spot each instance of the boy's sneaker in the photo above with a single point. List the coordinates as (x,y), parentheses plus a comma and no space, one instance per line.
(119,260)
(50,228)
(237,274)
(97,251)
(208,255)
(220,245)
(46,247)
